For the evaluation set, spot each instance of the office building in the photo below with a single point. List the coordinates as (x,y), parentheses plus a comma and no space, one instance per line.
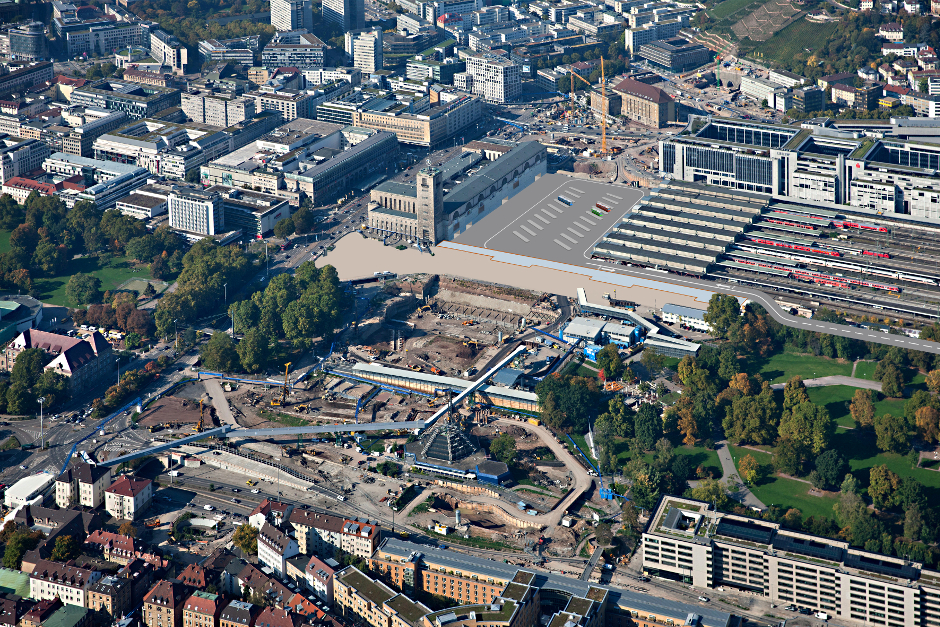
(82,484)
(137,101)
(686,316)
(636,37)
(104,37)
(675,54)
(216,108)
(293,49)
(347,14)
(290,103)
(28,42)
(431,128)
(290,15)
(787,79)
(645,104)
(496,79)
(196,211)
(21,78)
(241,50)
(809,99)
(424,213)
(891,175)
(167,50)
(759,89)
(364,49)
(327,75)
(19,156)
(689,541)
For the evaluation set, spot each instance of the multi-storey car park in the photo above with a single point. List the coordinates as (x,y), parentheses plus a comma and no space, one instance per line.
(688,541)
(841,256)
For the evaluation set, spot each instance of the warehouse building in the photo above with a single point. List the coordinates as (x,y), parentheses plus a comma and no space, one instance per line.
(820,164)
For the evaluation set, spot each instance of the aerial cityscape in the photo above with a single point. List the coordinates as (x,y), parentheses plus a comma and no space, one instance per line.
(470,313)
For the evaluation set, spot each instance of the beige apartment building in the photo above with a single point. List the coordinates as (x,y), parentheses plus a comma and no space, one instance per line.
(690,542)
(82,484)
(163,605)
(127,497)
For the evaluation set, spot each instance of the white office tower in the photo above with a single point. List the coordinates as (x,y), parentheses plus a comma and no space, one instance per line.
(364,48)
(494,78)
(348,14)
(288,15)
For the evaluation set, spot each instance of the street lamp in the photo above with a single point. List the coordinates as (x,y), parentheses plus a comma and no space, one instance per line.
(176,331)
(226,293)
(117,360)
(42,435)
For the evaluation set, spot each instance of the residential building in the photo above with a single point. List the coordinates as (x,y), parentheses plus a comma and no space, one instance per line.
(203,609)
(319,576)
(216,108)
(289,103)
(289,15)
(167,50)
(137,101)
(69,616)
(645,104)
(270,511)
(675,54)
(13,607)
(82,484)
(364,49)
(24,77)
(297,49)
(495,78)
(70,584)
(891,31)
(326,75)
(163,605)
(347,14)
(323,534)
(114,547)
(423,212)
(274,548)
(85,362)
(193,576)
(128,497)
(279,617)
(112,595)
(241,50)
(40,612)
(808,99)
(363,599)
(239,614)
(831,80)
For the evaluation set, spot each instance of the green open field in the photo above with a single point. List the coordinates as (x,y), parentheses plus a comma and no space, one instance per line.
(111,273)
(866,370)
(795,38)
(781,367)
(836,400)
(785,492)
(5,241)
(698,456)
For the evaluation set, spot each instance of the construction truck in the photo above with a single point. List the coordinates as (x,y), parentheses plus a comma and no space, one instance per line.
(436,370)
(468,323)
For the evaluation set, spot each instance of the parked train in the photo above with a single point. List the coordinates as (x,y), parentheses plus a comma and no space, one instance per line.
(790,223)
(817,277)
(847,224)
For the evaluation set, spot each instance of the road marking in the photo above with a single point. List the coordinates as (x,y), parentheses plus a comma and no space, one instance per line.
(589,221)
(550,214)
(554,208)
(528,230)
(569,238)
(563,245)
(538,226)
(521,236)
(581,226)
(612,196)
(613,202)
(575,189)
(578,233)
(539,216)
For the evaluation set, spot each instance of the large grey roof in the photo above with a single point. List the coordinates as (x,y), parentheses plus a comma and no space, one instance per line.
(647,602)
(490,174)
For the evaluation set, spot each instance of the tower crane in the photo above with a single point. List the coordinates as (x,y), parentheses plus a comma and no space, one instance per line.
(603,103)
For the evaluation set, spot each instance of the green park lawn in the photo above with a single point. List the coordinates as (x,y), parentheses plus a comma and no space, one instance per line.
(836,399)
(698,456)
(5,241)
(112,272)
(781,367)
(866,370)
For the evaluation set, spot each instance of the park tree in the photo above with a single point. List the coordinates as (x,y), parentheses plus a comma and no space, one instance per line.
(128,529)
(710,491)
(28,367)
(284,228)
(862,408)
(831,467)
(648,426)
(808,424)
(608,360)
(791,456)
(723,314)
(750,469)
(883,483)
(254,351)
(752,419)
(794,393)
(793,518)
(83,289)
(727,363)
(913,522)
(503,448)
(571,401)
(927,420)
(892,383)
(891,433)
(645,489)
(246,538)
(933,381)
(219,353)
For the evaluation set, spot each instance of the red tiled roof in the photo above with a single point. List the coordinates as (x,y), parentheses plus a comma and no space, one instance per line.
(166,593)
(273,617)
(200,604)
(126,486)
(18,182)
(112,541)
(194,575)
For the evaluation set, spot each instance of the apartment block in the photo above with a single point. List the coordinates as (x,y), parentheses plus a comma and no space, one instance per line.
(216,108)
(274,548)
(289,103)
(363,599)
(495,78)
(323,534)
(70,584)
(167,50)
(19,156)
(289,15)
(163,605)
(203,609)
(364,49)
(688,541)
(347,14)
(82,484)
(239,614)
(297,49)
(111,595)
(127,498)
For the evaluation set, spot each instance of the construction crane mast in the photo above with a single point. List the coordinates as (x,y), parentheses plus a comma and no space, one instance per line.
(286,383)
(603,104)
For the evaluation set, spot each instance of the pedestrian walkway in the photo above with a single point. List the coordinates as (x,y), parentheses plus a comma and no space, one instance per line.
(836,380)
(739,491)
